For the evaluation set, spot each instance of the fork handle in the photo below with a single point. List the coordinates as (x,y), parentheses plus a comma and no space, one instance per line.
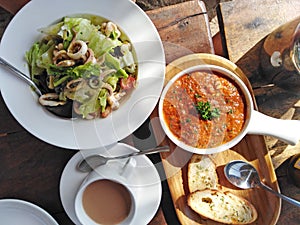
(21,75)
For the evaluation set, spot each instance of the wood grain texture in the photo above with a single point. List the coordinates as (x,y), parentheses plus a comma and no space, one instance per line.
(245,23)
(7,122)
(252,148)
(183,28)
(31,169)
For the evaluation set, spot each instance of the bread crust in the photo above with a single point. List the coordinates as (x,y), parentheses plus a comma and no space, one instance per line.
(208,199)
(223,207)
(202,173)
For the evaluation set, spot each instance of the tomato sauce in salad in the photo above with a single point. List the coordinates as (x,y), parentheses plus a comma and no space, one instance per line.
(204,109)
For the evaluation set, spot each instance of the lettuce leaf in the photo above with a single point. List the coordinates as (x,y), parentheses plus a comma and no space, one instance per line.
(87,70)
(39,57)
(91,100)
(114,63)
(81,71)
(85,31)
(127,60)
(61,74)
(31,57)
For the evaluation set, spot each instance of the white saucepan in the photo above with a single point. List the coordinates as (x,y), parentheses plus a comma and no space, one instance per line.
(255,122)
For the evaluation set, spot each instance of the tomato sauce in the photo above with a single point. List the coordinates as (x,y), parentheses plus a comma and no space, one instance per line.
(184,120)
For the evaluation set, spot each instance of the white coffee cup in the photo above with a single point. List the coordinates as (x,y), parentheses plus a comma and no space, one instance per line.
(106,196)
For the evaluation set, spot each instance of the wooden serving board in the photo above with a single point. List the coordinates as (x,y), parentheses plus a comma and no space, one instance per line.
(252,149)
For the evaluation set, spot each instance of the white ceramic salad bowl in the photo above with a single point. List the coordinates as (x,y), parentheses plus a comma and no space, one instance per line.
(22,32)
(255,122)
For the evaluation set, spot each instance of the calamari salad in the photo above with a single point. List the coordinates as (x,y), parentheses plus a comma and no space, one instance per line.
(92,66)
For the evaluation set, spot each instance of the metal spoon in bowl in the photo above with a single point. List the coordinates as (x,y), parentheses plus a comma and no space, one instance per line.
(245,176)
(61,111)
(93,161)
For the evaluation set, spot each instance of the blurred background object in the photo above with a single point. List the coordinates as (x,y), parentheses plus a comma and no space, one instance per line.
(280,56)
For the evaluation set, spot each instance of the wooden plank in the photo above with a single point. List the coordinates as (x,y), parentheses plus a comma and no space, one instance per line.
(8,124)
(246,22)
(183,28)
(31,170)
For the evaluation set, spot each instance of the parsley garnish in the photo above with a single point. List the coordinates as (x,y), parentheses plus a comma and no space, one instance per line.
(206,112)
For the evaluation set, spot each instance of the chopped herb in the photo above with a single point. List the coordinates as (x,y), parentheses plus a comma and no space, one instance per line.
(188,120)
(197,96)
(230,111)
(206,112)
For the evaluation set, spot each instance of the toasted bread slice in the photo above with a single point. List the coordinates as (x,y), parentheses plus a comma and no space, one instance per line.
(202,173)
(222,207)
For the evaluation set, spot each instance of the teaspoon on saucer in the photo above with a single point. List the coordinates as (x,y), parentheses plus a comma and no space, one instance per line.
(93,161)
(245,176)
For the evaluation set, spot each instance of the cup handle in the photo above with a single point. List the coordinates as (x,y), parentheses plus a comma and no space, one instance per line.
(285,130)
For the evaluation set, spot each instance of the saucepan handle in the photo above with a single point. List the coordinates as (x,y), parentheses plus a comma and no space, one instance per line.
(285,130)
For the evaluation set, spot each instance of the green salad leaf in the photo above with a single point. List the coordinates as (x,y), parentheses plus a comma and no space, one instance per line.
(39,57)
(107,61)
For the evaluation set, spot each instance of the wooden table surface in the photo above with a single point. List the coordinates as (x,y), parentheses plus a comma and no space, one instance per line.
(31,169)
(244,27)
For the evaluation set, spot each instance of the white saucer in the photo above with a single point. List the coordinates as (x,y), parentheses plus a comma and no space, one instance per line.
(15,211)
(146,182)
